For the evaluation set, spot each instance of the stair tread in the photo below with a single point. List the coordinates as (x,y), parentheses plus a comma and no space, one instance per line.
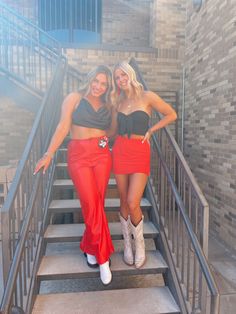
(69,231)
(110,203)
(139,301)
(68,183)
(74,265)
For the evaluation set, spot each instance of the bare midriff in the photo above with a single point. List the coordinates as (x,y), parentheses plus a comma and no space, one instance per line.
(133,136)
(82,133)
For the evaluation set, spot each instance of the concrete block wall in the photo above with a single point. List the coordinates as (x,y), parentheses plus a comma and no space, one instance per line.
(160,73)
(16,124)
(167,25)
(152,31)
(126,23)
(6,176)
(210,114)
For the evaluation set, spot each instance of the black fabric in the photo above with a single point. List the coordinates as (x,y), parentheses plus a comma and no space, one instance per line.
(136,122)
(86,116)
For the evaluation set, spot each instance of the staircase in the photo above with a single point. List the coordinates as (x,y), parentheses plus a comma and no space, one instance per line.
(67,285)
(44,270)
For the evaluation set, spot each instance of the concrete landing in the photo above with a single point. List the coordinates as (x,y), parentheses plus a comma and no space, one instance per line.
(139,301)
(223,265)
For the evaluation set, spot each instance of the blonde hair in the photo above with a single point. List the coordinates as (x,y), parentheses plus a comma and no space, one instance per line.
(106,97)
(118,95)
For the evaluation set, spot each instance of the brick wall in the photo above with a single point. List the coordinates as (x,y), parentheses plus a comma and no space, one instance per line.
(152,31)
(126,22)
(15,124)
(160,73)
(210,120)
(167,25)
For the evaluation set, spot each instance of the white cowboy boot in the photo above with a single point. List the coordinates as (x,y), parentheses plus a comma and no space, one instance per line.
(126,230)
(105,273)
(139,244)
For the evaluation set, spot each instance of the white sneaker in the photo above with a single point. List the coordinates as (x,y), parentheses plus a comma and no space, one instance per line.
(91,260)
(105,273)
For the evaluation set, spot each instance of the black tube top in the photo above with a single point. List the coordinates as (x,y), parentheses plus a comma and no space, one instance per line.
(136,122)
(85,115)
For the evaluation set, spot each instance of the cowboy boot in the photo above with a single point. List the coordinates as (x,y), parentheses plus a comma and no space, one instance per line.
(126,230)
(139,244)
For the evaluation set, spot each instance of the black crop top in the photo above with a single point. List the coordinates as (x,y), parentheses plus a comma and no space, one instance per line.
(85,115)
(136,122)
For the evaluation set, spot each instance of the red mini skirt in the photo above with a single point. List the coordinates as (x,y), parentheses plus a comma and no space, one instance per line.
(130,155)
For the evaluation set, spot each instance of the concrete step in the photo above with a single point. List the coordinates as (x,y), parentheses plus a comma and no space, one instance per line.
(62,171)
(72,266)
(62,189)
(68,184)
(74,232)
(126,301)
(73,205)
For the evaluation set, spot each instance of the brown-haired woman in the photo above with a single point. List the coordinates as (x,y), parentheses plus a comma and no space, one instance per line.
(87,116)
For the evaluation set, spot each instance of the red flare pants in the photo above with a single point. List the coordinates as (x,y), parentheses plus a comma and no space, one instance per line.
(89,167)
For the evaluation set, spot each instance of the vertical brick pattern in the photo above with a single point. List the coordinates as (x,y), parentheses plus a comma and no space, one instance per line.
(210,121)
(15,124)
(167,25)
(126,23)
(159,73)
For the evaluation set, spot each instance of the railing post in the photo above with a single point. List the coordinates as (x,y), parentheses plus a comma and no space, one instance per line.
(6,259)
(205,230)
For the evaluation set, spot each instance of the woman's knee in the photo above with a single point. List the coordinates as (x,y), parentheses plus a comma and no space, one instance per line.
(123,203)
(133,205)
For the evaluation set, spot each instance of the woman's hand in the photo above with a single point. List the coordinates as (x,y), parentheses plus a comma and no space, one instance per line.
(44,163)
(147,136)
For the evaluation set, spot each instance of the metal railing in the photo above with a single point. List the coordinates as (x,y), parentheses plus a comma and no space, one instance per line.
(29,195)
(68,21)
(23,51)
(73,80)
(193,199)
(183,217)
(23,211)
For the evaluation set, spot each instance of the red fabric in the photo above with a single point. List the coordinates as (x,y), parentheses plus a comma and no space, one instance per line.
(130,156)
(89,167)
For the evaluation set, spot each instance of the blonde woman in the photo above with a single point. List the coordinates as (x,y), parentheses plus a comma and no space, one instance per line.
(87,115)
(131,152)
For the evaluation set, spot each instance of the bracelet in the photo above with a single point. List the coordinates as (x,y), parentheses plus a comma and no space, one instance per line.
(51,155)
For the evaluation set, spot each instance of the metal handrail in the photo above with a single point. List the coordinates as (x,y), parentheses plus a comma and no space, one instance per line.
(193,239)
(38,195)
(73,80)
(21,244)
(169,143)
(52,43)
(27,52)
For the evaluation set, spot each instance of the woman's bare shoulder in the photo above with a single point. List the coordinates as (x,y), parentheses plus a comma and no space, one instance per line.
(72,100)
(74,96)
(149,94)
